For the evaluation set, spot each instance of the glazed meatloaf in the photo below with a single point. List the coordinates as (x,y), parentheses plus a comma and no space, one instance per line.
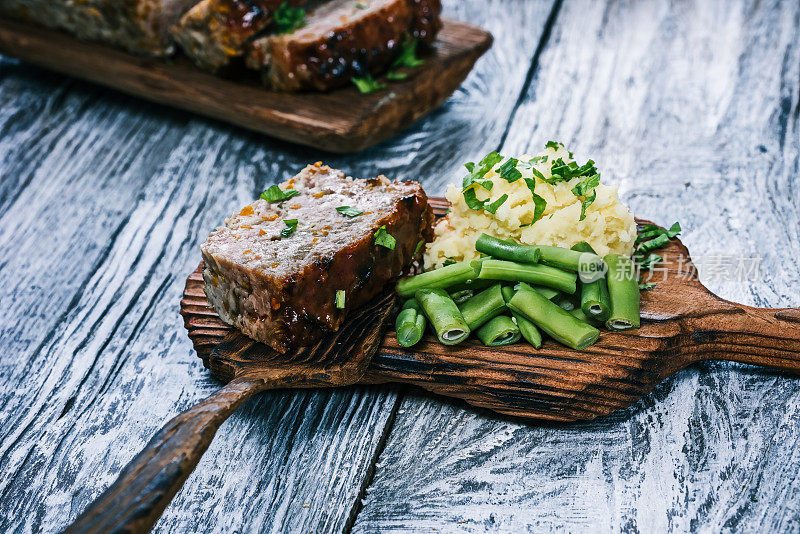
(214,32)
(285,272)
(342,39)
(139,26)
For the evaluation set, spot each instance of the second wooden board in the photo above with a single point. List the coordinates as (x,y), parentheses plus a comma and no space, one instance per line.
(338,121)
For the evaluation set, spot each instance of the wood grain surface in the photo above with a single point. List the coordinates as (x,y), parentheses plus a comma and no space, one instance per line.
(691,107)
(340,121)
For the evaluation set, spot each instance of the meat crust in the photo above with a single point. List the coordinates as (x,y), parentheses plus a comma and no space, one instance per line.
(282,290)
(342,40)
(139,26)
(214,32)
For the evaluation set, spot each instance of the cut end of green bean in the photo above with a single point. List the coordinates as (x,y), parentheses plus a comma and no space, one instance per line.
(623,291)
(444,315)
(410,324)
(587,339)
(620,324)
(499,331)
(453,336)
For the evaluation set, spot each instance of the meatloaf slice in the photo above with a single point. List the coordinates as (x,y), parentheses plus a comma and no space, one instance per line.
(341,39)
(214,32)
(282,289)
(139,26)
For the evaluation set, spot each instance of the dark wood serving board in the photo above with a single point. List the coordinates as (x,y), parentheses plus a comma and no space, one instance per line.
(341,121)
(682,323)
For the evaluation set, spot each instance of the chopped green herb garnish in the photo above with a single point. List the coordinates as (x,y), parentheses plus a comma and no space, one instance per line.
(340,296)
(508,170)
(539,204)
(419,246)
(347,211)
(448,261)
(396,76)
(646,286)
(476,173)
(652,244)
(361,5)
(586,189)
(586,202)
(472,201)
(492,208)
(276,194)
(652,237)
(586,185)
(367,84)
(383,238)
(648,262)
(408,56)
(475,176)
(555,145)
(287,18)
(291,226)
(674,230)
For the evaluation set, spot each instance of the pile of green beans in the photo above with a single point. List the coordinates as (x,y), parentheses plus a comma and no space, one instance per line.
(519,291)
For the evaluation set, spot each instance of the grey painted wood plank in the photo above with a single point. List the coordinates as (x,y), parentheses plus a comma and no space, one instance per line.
(692,108)
(103,202)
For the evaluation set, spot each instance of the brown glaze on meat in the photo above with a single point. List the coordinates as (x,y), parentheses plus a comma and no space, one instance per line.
(214,32)
(139,26)
(282,290)
(339,41)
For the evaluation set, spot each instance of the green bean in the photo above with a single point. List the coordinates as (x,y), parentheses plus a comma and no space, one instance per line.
(444,277)
(569,260)
(471,285)
(547,292)
(623,292)
(461,296)
(483,306)
(413,304)
(533,274)
(501,330)
(442,312)
(410,324)
(595,301)
(526,328)
(507,249)
(578,314)
(559,324)
(565,302)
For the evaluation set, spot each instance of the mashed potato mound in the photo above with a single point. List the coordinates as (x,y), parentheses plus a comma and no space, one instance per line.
(608,227)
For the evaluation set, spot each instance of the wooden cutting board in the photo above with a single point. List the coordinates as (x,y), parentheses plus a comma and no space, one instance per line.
(682,323)
(338,121)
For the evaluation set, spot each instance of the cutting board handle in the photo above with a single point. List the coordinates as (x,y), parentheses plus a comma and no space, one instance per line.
(766,337)
(135,501)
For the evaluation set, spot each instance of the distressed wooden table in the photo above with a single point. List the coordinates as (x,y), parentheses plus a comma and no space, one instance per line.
(692,108)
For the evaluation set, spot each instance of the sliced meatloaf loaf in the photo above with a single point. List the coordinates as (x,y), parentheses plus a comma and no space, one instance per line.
(139,26)
(214,32)
(341,39)
(279,285)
